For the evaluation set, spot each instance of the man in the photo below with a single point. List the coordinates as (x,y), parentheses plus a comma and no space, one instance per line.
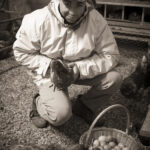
(73,32)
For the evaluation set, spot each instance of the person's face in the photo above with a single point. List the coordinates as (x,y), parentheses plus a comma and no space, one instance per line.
(72,10)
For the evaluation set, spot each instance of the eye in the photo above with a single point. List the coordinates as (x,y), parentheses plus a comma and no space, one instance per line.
(80,4)
(67,3)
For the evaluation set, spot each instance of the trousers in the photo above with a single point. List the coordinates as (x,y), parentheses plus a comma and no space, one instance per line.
(55,106)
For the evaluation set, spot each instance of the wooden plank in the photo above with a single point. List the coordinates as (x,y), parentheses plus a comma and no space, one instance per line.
(137,25)
(124,3)
(144,33)
(10,20)
(143,15)
(125,20)
(123,12)
(8,11)
(133,38)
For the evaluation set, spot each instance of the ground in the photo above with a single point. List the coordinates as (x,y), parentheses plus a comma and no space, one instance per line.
(17,90)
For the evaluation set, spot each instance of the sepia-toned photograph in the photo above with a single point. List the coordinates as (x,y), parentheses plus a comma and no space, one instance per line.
(74,74)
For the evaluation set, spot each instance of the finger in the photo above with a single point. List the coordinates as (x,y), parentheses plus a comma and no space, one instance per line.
(76,72)
(75,69)
(52,75)
(71,64)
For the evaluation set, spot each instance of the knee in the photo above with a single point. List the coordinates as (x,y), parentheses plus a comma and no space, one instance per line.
(114,80)
(63,114)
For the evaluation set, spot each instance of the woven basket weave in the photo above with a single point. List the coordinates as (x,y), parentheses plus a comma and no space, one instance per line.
(89,136)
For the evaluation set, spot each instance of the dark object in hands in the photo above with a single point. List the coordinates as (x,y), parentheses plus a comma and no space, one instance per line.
(135,85)
(61,74)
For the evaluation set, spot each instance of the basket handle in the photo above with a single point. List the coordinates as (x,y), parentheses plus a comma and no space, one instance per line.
(101,114)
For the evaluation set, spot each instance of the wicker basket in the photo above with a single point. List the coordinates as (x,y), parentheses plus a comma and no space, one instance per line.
(123,137)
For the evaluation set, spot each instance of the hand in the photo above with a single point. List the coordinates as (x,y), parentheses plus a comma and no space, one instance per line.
(75,71)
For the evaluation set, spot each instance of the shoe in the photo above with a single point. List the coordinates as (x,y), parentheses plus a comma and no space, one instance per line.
(81,110)
(38,121)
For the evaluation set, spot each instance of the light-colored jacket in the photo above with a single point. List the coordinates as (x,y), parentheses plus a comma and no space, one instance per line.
(44,36)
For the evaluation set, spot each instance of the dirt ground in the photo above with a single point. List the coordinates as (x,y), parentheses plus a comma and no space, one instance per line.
(17,90)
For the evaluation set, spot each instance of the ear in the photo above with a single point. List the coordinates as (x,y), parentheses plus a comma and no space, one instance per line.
(92,3)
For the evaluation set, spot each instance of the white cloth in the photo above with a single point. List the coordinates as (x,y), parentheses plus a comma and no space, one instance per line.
(43,36)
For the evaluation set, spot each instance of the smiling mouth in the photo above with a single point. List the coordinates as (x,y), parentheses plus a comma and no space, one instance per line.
(71,19)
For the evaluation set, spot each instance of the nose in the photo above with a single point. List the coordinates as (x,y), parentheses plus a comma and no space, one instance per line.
(73,11)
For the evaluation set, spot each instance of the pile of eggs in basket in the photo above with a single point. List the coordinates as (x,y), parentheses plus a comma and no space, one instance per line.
(107,143)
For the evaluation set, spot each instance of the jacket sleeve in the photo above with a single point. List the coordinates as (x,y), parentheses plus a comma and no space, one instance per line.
(27,47)
(106,55)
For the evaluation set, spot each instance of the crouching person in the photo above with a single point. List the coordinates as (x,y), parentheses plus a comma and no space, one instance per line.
(70,31)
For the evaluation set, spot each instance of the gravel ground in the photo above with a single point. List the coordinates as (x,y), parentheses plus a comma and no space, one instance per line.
(17,90)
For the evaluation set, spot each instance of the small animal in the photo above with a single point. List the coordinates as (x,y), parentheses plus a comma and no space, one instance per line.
(136,87)
(137,84)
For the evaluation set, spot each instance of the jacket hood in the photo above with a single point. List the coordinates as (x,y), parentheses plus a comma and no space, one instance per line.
(54,9)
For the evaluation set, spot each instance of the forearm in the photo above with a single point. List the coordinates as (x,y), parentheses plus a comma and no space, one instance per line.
(35,62)
(106,54)
(96,65)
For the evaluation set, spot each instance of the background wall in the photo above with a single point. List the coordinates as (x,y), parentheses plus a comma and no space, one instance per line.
(35,4)
(26,6)
(22,7)
(3,15)
(19,8)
